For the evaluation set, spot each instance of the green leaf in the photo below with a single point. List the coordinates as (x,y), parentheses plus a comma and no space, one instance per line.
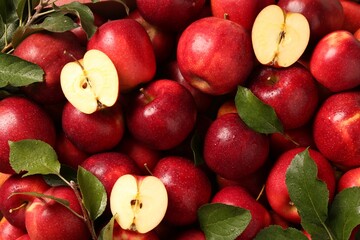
(107,232)
(8,11)
(197,149)
(344,213)
(2,27)
(275,232)
(7,36)
(93,192)
(22,7)
(56,22)
(257,115)
(309,194)
(223,222)
(66,172)
(84,13)
(33,157)
(17,72)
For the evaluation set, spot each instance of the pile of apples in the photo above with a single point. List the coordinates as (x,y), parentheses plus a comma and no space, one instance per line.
(162,114)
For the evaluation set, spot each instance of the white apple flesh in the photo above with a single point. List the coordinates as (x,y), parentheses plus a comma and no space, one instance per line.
(91,83)
(279,38)
(139,203)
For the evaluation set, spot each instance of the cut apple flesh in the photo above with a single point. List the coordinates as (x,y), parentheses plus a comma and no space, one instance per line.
(91,83)
(138,204)
(279,38)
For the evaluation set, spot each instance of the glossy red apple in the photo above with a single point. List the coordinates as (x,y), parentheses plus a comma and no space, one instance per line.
(212,53)
(162,114)
(232,150)
(129,47)
(14,207)
(21,119)
(351,16)
(336,127)
(335,60)
(242,12)
(9,231)
(46,219)
(276,189)
(188,188)
(170,15)
(239,197)
(324,16)
(351,178)
(96,132)
(291,92)
(47,50)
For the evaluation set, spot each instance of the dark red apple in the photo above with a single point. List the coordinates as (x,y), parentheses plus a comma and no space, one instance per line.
(96,132)
(335,61)
(9,231)
(336,128)
(188,188)
(21,119)
(215,55)
(162,114)
(232,150)
(48,51)
(351,16)
(191,234)
(239,197)
(291,92)
(122,234)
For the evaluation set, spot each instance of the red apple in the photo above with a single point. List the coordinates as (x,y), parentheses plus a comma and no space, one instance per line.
(226,107)
(47,50)
(129,47)
(9,231)
(335,61)
(191,234)
(324,16)
(96,132)
(215,55)
(21,119)
(14,207)
(242,12)
(357,34)
(3,177)
(24,237)
(291,91)
(336,128)
(232,150)
(352,16)
(351,178)
(188,188)
(46,219)
(276,189)
(80,32)
(162,114)
(239,197)
(170,15)
(121,234)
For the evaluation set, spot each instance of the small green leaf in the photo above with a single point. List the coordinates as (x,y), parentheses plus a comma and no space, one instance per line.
(344,213)
(33,157)
(223,222)
(107,232)
(197,149)
(309,194)
(66,172)
(56,22)
(93,192)
(257,115)
(276,232)
(17,72)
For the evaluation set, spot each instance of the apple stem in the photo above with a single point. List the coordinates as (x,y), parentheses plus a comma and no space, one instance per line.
(147,169)
(260,193)
(147,96)
(290,139)
(226,16)
(19,207)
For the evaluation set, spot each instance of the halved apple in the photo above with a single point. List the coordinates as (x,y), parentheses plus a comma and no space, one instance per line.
(279,38)
(139,203)
(90,83)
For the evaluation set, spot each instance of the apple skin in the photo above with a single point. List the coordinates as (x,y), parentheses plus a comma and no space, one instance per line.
(335,129)
(276,189)
(9,231)
(153,117)
(46,219)
(351,178)
(80,32)
(324,16)
(291,92)
(47,50)
(242,12)
(239,197)
(121,234)
(188,188)
(22,119)
(15,184)
(129,47)
(191,234)
(24,237)
(338,71)
(232,150)
(357,34)
(96,132)
(352,16)
(212,53)
(170,15)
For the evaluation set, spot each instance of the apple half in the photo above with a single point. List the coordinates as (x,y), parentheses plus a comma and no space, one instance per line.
(279,38)
(91,83)
(139,203)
